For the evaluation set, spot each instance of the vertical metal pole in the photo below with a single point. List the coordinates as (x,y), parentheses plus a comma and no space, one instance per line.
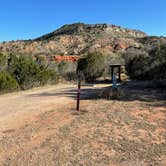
(78,94)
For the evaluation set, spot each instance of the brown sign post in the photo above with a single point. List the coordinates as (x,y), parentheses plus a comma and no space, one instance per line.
(78,94)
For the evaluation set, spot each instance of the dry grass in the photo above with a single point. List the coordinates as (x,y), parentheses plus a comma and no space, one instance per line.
(110,133)
(103,133)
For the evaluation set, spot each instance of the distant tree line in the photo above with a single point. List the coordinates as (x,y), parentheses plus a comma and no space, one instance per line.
(24,72)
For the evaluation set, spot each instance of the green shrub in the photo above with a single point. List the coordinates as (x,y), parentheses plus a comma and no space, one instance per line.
(71,76)
(62,67)
(7,82)
(147,64)
(92,66)
(45,76)
(28,73)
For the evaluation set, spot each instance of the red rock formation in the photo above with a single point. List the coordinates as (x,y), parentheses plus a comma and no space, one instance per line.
(121,45)
(59,58)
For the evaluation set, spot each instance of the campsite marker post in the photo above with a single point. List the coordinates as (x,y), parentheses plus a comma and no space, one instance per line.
(78,94)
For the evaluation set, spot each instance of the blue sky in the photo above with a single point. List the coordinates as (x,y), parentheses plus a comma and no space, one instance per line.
(27,19)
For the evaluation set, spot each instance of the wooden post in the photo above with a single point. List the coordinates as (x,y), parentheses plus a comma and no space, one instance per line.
(78,94)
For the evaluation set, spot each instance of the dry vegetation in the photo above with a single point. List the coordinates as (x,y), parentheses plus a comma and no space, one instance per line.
(125,132)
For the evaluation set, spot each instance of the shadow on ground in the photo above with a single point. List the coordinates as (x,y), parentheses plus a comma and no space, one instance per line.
(87,93)
(133,91)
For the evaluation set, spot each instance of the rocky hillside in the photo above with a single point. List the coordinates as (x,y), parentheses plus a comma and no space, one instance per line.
(76,39)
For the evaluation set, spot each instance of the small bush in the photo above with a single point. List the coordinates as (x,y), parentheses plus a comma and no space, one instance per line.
(62,67)
(71,76)
(45,76)
(92,66)
(7,82)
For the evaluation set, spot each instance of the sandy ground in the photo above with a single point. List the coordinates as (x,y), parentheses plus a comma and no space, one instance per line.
(41,127)
(18,108)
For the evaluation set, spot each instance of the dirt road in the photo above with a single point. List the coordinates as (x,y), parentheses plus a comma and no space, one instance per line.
(18,108)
